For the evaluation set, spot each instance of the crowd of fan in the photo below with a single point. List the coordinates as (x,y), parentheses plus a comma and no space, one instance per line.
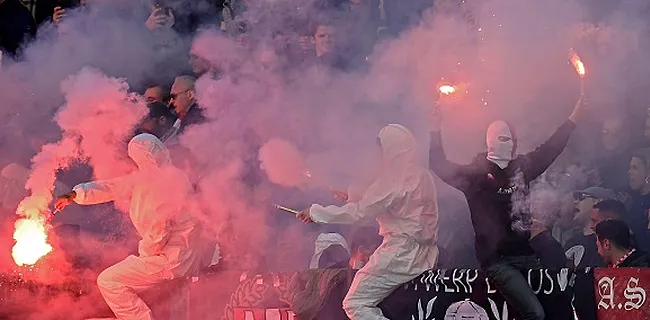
(600,195)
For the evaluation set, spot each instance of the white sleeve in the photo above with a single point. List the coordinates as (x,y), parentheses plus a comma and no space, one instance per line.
(368,207)
(95,192)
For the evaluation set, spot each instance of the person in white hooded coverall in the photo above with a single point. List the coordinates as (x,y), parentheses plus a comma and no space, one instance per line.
(169,248)
(403,200)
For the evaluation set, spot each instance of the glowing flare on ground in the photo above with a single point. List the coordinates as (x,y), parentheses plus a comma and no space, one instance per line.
(577,63)
(30,230)
(31,241)
(447,89)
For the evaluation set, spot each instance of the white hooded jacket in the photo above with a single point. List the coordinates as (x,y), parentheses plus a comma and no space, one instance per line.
(402,199)
(160,197)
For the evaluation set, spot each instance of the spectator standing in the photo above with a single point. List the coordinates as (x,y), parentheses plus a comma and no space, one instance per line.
(616,248)
(182,101)
(639,175)
(154,94)
(615,154)
(581,249)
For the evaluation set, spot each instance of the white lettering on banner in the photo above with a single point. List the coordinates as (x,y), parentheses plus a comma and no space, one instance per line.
(471,280)
(606,292)
(634,293)
(458,280)
(489,287)
(563,278)
(461,280)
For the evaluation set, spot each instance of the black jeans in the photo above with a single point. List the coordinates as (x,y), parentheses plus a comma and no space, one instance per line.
(507,274)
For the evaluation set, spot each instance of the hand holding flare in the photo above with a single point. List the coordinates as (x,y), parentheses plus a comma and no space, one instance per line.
(580,68)
(435,119)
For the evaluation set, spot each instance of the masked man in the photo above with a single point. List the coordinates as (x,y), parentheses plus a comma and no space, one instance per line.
(169,248)
(403,200)
(496,186)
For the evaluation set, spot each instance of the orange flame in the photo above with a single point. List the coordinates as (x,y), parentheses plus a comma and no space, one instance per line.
(31,234)
(447,89)
(31,242)
(577,63)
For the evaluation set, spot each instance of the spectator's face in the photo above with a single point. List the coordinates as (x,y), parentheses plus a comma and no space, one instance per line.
(324,39)
(199,65)
(596,218)
(585,206)
(154,94)
(182,98)
(637,174)
(613,134)
(604,250)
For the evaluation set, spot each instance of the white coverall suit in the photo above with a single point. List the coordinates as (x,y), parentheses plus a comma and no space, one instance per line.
(403,200)
(169,248)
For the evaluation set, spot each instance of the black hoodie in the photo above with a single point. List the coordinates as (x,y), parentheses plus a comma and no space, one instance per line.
(489,191)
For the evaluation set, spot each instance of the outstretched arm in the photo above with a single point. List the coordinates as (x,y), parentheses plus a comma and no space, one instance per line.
(538,160)
(455,175)
(96,192)
(376,200)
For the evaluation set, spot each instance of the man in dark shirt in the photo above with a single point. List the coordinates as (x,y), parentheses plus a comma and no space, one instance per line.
(16,26)
(581,248)
(182,101)
(615,246)
(496,185)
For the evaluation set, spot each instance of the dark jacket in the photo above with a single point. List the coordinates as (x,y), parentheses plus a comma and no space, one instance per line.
(637,219)
(193,116)
(489,191)
(549,251)
(582,252)
(638,259)
(16,26)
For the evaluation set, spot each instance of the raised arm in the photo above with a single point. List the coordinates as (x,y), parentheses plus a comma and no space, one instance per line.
(538,160)
(455,175)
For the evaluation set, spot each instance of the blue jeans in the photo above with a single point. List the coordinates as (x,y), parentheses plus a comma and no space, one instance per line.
(507,276)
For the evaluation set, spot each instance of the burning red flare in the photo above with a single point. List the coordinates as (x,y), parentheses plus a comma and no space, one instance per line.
(447,89)
(31,234)
(577,63)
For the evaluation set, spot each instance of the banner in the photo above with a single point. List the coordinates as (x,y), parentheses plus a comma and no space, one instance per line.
(621,293)
(436,294)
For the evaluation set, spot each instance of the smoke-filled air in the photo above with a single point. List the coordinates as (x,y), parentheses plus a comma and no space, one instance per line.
(160,154)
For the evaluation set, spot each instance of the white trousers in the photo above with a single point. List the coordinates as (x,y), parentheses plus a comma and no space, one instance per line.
(121,283)
(396,262)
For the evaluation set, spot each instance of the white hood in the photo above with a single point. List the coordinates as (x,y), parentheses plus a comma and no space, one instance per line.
(500,152)
(324,241)
(148,152)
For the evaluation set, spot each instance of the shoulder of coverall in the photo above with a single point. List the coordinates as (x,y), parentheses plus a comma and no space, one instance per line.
(148,152)
(397,143)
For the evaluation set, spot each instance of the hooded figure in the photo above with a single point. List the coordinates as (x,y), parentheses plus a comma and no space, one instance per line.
(403,200)
(496,186)
(330,250)
(169,249)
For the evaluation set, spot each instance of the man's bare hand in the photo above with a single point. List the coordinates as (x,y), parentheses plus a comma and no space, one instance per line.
(159,18)
(64,200)
(304,216)
(340,195)
(579,109)
(59,13)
